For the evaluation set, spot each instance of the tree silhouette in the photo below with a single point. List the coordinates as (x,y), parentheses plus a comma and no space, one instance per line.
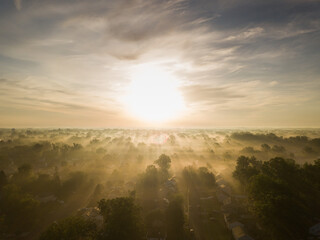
(121,219)
(164,163)
(72,228)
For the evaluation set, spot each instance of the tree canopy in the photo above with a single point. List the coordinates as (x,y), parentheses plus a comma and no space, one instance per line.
(122,219)
(283,194)
(72,228)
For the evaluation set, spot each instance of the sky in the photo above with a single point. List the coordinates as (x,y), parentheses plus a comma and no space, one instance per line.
(210,63)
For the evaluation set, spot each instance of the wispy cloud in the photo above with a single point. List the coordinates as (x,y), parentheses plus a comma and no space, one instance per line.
(77,54)
(273,83)
(18,4)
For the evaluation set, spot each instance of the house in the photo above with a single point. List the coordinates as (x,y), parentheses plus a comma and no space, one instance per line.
(238,233)
(222,196)
(171,184)
(231,221)
(227,201)
(235,224)
(237,228)
(207,198)
(220,181)
(166,201)
(226,189)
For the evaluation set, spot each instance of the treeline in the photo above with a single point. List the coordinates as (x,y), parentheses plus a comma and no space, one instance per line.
(271,137)
(29,200)
(122,220)
(198,177)
(42,154)
(153,210)
(283,195)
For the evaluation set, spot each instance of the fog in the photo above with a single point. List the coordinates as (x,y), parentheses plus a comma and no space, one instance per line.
(48,175)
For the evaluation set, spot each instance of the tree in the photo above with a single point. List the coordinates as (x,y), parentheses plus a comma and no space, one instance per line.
(249,150)
(72,228)
(283,195)
(19,209)
(278,149)
(194,178)
(155,221)
(207,178)
(265,147)
(76,181)
(149,181)
(23,176)
(246,168)
(25,169)
(175,219)
(122,219)
(164,163)
(281,169)
(309,150)
(281,212)
(148,186)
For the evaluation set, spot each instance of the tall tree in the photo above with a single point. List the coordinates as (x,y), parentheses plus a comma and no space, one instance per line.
(122,219)
(175,219)
(164,163)
(72,228)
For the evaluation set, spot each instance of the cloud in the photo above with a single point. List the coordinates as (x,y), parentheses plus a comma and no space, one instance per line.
(208,94)
(18,4)
(48,96)
(273,83)
(245,35)
(81,53)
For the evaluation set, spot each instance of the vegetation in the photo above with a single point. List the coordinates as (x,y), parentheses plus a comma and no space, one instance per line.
(126,184)
(122,219)
(72,228)
(283,194)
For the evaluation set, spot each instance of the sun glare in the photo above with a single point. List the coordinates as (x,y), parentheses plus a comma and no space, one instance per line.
(153,94)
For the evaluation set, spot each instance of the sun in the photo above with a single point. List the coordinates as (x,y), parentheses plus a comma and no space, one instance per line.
(153,94)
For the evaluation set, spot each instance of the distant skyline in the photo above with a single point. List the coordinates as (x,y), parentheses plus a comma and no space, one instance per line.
(157,63)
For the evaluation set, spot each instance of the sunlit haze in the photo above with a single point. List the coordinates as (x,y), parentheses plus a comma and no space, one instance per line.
(153,94)
(161,63)
(160,119)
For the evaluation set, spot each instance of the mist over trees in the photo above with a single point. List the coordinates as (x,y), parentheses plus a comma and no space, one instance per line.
(172,184)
